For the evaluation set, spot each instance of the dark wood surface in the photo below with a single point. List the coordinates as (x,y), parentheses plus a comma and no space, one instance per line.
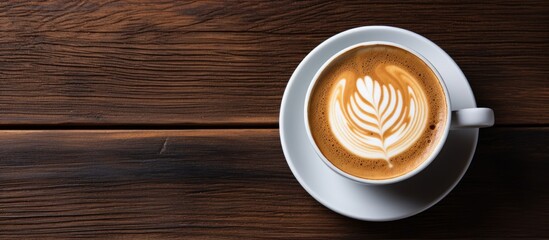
(235,184)
(87,86)
(208,62)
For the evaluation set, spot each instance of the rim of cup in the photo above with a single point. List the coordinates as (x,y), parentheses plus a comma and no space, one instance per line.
(406,175)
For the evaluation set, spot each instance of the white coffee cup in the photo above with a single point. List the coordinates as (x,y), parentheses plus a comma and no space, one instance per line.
(463,118)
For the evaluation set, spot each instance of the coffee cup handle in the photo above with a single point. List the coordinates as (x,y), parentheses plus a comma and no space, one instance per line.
(472,118)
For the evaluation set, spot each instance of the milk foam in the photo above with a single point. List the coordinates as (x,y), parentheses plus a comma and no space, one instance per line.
(378,118)
(377,112)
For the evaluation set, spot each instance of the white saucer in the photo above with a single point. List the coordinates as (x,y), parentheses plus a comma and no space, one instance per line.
(376,203)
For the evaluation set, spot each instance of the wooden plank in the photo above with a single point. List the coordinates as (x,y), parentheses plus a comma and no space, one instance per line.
(235,184)
(216,62)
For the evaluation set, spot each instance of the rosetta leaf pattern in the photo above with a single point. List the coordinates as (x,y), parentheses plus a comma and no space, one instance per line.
(376,120)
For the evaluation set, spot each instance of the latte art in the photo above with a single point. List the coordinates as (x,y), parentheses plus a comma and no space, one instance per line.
(378,119)
(377,111)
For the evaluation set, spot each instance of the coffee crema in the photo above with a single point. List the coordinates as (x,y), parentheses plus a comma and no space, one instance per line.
(377,112)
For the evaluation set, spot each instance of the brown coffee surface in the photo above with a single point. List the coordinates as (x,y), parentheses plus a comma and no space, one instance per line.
(377,112)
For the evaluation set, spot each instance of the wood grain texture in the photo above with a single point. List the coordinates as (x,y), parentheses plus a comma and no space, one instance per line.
(235,184)
(224,62)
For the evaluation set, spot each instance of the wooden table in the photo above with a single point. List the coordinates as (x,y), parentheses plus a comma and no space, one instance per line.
(146,120)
